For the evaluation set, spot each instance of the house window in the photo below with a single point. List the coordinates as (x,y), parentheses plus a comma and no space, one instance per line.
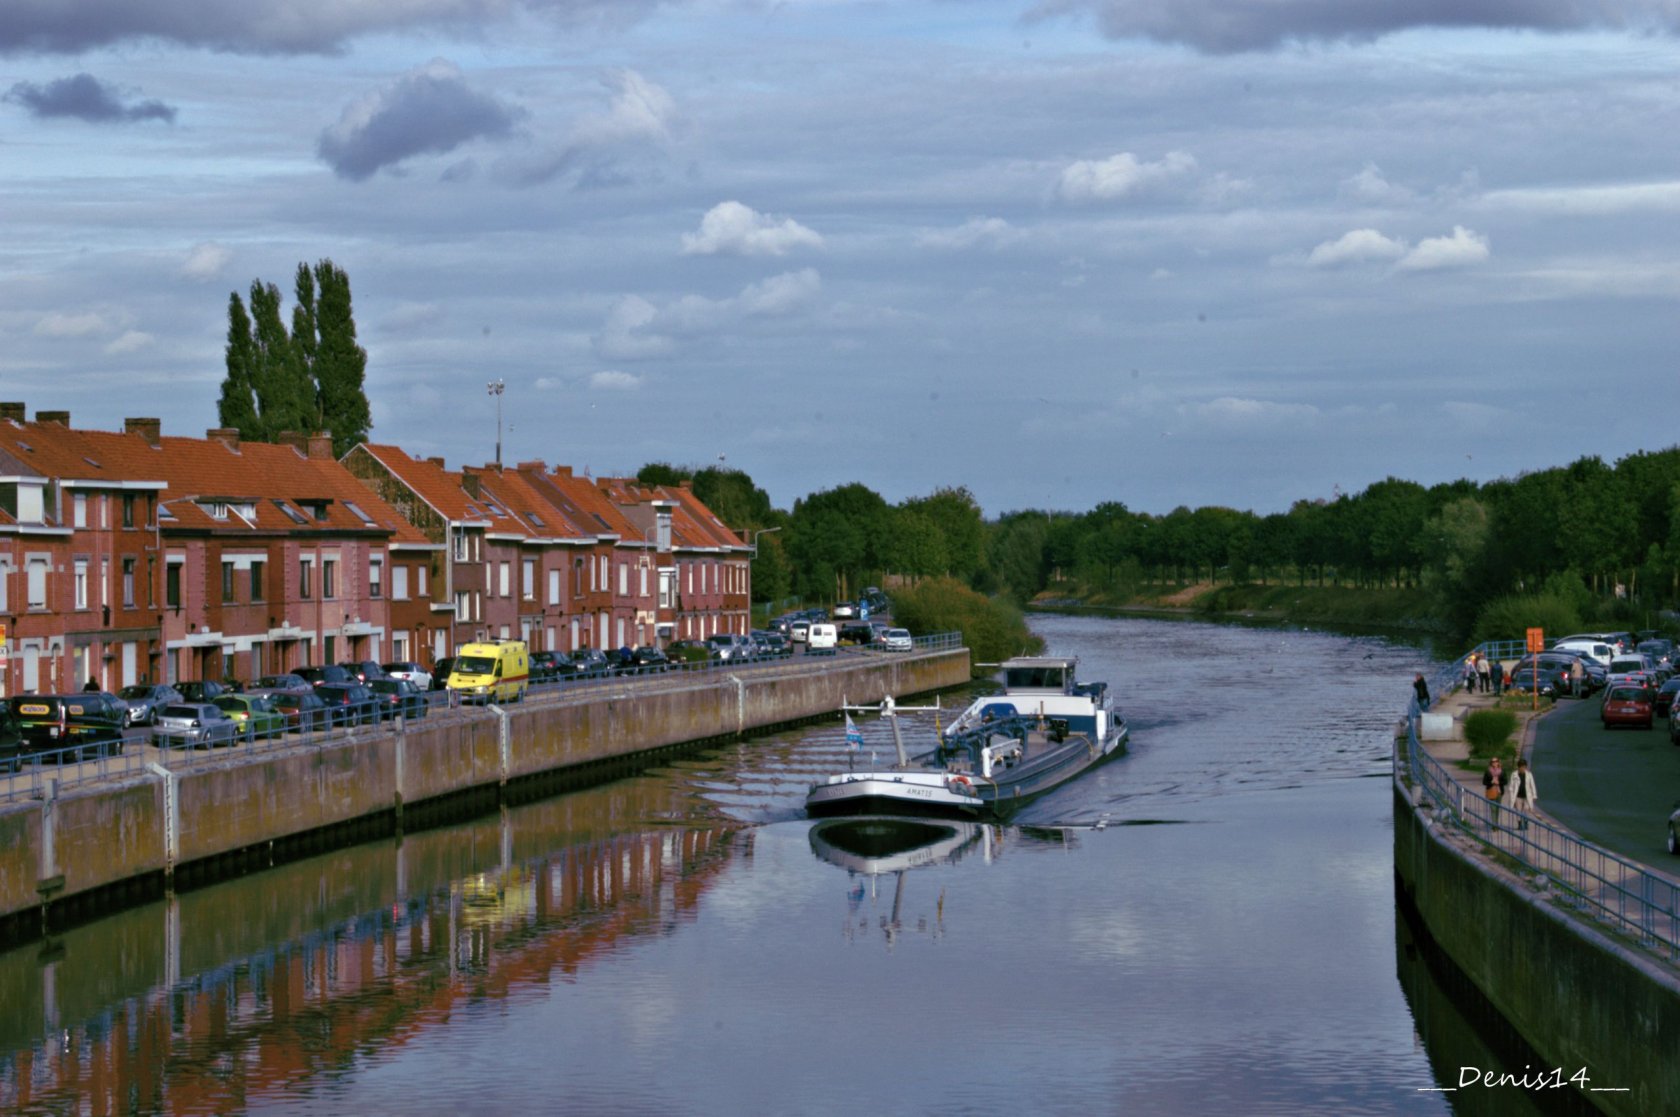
(258,569)
(528,579)
(78,510)
(329,581)
(306,570)
(128,583)
(460,546)
(399,583)
(81,583)
(553,591)
(37,572)
(376,577)
(461,613)
(505,588)
(128,510)
(172,585)
(424,589)
(227,582)
(623,579)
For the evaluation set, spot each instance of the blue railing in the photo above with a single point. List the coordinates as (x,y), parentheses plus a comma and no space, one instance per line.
(1622,895)
(27,776)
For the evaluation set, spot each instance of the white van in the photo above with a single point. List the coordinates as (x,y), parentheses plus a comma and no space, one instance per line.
(822,638)
(1591,647)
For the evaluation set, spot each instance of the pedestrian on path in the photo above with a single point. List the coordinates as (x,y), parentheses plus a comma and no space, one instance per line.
(1497,670)
(1486,674)
(1520,794)
(1493,786)
(1421,689)
(1470,676)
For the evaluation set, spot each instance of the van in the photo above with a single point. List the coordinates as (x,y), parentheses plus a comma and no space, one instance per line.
(90,722)
(821,638)
(1592,647)
(491,672)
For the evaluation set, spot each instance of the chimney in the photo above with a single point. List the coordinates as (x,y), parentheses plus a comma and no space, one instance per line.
(62,418)
(562,471)
(471,483)
(227,436)
(320,446)
(435,461)
(149,429)
(13,411)
(538,466)
(295,440)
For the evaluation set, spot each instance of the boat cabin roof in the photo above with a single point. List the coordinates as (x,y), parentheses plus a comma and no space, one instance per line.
(1039,675)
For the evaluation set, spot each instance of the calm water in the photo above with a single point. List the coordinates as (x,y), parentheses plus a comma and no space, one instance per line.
(1205,925)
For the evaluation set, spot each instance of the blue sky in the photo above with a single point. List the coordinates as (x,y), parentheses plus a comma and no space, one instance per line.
(1059,252)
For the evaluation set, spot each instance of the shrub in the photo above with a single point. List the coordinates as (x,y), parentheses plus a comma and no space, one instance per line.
(992,628)
(1488,731)
(1507,618)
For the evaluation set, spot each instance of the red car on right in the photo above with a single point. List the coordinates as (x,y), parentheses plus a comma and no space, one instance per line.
(1628,705)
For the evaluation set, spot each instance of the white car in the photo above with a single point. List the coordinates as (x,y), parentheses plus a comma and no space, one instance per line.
(413,672)
(897,640)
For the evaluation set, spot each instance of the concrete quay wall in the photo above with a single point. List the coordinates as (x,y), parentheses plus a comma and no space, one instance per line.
(1582,999)
(95,838)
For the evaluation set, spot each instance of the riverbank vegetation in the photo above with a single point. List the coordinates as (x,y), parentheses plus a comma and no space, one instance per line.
(1567,548)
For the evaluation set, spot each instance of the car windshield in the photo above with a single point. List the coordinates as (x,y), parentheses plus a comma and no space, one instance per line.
(474,665)
(180,712)
(135,692)
(1627,694)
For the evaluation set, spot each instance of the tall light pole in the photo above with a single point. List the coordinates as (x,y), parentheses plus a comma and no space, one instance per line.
(495,388)
(759,532)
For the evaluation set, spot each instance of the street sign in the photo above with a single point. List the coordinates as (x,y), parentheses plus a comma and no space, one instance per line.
(1536,639)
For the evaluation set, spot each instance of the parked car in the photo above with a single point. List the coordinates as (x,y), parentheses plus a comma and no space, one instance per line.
(1626,704)
(898,640)
(363,670)
(799,630)
(821,638)
(844,611)
(399,696)
(201,690)
(1530,680)
(684,652)
(196,725)
(1558,668)
(545,667)
(408,669)
(287,681)
(12,747)
(857,632)
(255,714)
(83,725)
(730,647)
(324,675)
(302,709)
(585,663)
(1674,833)
(1663,704)
(645,660)
(145,699)
(350,703)
(773,645)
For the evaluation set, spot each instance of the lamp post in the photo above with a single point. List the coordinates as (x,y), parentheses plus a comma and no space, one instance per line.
(495,388)
(759,532)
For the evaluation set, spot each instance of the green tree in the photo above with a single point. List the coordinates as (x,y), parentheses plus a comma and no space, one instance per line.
(960,525)
(238,406)
(334,362)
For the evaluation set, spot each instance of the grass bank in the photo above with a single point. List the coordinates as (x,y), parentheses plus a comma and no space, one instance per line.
(1399,610)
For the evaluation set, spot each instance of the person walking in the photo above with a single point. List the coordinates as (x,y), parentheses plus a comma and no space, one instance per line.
(1470,675)
(1486,674)
(1496,675)
(1493,786)
(1520,794)
(1421,689)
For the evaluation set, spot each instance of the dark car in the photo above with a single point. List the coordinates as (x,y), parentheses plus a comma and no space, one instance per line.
(857,632)
(645,660)
(1627,705)
(1663,703)
(1558,671)
(201,690)
(399,696)
(545,667)
(364,670)
(350,703)
(146,699)
(774,644)
(440,673)
(1530,680)
(287,681)
(585,663)
(683,653)
(302,709)
(326,674)
(71,726)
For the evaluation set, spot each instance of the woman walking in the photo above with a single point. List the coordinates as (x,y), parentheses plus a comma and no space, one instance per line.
(1520,794)
(1493,786)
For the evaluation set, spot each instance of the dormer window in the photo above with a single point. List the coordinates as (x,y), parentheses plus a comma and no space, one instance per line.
(215,509)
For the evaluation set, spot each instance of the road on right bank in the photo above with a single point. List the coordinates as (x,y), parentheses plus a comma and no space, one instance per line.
(1613,787)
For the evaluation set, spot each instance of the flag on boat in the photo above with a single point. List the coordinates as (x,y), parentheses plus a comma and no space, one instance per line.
(854,735)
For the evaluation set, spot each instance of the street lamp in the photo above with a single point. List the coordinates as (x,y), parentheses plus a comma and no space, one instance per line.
(759,532)
(495,388)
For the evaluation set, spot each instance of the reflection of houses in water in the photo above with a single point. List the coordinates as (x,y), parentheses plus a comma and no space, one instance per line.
(869,847)
(255,1026)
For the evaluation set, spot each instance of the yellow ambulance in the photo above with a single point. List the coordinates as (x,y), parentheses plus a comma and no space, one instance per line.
(491,672)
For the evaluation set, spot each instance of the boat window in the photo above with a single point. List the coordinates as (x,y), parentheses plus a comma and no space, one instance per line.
(1036,678)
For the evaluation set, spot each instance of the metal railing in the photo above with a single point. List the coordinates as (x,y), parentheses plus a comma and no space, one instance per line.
(1618,893)
(28,775)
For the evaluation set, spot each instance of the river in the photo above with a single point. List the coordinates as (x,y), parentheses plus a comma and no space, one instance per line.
(1206,924)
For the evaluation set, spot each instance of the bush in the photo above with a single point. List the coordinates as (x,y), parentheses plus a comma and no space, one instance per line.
(1507,618)
(1488,731)
(992,628)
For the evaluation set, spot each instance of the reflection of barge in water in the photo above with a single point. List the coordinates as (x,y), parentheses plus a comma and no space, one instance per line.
(1001,753)
(877,844)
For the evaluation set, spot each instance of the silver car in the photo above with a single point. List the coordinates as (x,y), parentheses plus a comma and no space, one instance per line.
(145,700)
(197,725)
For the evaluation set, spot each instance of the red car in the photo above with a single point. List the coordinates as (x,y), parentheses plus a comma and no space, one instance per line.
(1627,705)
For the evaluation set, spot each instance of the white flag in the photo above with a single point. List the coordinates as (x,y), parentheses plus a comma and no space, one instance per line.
(854,735)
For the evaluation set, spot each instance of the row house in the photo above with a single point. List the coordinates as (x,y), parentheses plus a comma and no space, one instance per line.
(143,558)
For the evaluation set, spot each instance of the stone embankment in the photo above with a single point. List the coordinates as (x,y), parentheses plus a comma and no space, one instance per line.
(92,844)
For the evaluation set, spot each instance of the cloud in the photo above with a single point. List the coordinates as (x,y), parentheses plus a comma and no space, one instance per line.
(990,232)
(206,260)
(730,227)
(1461,249)
(1232,412)
(611,380)
(1594,201)
(430,110)
(1224,27)
(638,113)
(637,329)
(1369,186)
(780,294)
(1121,176)
(73,325)
(85,97)
(628,331)
(279,27)
(129,342)
(1356,247)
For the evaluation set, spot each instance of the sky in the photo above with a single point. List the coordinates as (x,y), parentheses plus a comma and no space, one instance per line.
(1058,252)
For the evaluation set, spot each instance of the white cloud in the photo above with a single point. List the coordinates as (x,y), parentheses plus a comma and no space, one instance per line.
(129,342)
(730,227)
(611,380)
(73,325)
(1461,249)
(991,232)
(1371,187)
(781,294)
(206,260)
(639,110)
(627,332)
(1122,176)
(1356,247)
(1597,201)
(1234,412)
